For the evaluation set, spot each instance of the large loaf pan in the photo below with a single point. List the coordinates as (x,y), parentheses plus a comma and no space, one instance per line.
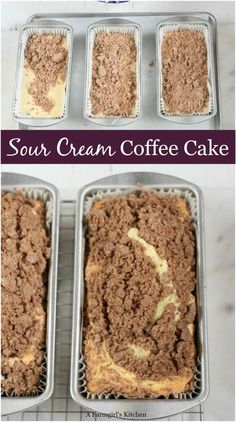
(36,189)
(105,403)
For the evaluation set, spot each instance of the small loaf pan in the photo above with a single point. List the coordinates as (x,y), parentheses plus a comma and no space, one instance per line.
(193,23)
(109,26)
(38,189)
(41,27)
(106,403)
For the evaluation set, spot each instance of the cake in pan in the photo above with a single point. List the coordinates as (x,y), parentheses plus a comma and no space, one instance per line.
(114,84)
(44,76)
(184,72)
(140,304)
(25,254)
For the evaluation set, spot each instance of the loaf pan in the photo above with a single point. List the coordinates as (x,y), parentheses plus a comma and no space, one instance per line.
(112,25)
(105,403)
(38,189)
(187,22)
(41,27)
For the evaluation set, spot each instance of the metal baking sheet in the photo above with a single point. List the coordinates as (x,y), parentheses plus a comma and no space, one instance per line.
(11,182)
(80,23)
(157,408)
(41,27)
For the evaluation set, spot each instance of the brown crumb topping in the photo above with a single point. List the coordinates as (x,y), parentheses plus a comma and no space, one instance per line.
(113,91)
(25,253)
(184,72)
(123,287)
(47,58)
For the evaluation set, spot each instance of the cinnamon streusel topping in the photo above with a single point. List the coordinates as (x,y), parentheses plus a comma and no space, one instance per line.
(25,253)
(47,58)
(113,91)
(184,72)
(140,280)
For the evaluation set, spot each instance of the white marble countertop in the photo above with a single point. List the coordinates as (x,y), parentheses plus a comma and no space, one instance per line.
(15,14)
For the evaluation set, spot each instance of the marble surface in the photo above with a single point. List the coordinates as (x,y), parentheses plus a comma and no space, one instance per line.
(15,14)
(217,184)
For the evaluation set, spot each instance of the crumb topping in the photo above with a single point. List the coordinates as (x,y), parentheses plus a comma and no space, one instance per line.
(47,57)
(25,253)
(140,278)
(113,91)
(184,72)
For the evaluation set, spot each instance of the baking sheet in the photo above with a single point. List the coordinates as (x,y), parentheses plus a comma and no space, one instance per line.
(80,23)
(154,408)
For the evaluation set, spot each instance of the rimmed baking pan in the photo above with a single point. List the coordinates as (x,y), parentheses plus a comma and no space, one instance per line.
(111,26)
(195,24)
(41,27)
(105,403)
(38,189)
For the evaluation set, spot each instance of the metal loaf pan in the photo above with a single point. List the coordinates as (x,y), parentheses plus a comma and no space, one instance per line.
(41,27)
(36,188)
(188,22)
(152,408)
(112,25)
